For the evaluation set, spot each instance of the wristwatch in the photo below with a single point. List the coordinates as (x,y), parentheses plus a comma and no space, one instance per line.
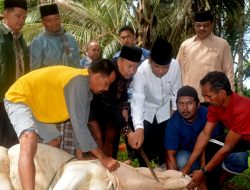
(204,171)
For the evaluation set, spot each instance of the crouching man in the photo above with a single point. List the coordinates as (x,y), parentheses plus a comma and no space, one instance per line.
(233,111)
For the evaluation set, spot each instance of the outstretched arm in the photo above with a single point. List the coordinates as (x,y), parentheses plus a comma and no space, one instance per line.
(200,145)
(231,140)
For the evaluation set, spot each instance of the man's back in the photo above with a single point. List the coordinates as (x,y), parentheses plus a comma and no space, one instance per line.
(43,90)
(235,116)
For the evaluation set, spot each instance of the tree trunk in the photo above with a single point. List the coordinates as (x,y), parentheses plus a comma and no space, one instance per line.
(145,18)
(240,51)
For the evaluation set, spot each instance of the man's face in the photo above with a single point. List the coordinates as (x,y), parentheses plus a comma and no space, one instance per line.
(203,29)
(15,18)
(100,83)
(127,38)
(158,70)
(52,23)
(93,51)
(214,98)
(127,68)
(187,107)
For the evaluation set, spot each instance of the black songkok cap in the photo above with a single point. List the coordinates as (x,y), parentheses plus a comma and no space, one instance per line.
(161,52)
(131,53)
(50,9)
(15,3)
(187,91)
(203,16)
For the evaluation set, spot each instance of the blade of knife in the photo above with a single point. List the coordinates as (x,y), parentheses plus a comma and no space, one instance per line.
(145,158)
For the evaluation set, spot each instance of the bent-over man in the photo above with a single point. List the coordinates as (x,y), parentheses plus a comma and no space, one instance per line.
(45,97)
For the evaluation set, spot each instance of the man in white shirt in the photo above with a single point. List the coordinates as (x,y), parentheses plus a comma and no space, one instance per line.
(154,90)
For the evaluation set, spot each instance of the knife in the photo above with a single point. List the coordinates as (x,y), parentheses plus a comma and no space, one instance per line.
(145,158)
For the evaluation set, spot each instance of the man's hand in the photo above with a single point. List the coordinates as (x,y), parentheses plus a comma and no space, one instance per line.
(136,139)
(108,162)
(111,164)
(185,170)
(198,178)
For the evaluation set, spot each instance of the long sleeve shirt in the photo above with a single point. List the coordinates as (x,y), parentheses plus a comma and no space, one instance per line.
(48,50)
(8,59)
(112,102)
(153,96)
(198,57)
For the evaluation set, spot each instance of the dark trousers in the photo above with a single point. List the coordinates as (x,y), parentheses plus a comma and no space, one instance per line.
(8,136)
(153,144)
(213,179)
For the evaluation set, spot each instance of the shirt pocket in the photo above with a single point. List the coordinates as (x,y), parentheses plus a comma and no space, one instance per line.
(212,58)
(213,53)
(166,88)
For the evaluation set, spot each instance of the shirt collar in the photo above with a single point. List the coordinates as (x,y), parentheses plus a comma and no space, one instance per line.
(88,59)
(11,31)
(196,38)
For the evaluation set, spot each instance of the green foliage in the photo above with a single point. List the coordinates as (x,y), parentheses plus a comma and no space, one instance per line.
(246,92)
(87,20)
(1,6)
(123,155)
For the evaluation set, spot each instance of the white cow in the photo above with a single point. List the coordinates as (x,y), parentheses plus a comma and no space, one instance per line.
(56,170)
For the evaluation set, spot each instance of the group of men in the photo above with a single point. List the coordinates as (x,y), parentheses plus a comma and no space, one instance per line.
(91,106)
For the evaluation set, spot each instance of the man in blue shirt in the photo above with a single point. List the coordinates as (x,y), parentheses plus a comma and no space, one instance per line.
(127,37)
(183,128)
(92,53)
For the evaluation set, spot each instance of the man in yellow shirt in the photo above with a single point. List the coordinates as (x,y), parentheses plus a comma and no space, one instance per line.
(47,96)
(203,53)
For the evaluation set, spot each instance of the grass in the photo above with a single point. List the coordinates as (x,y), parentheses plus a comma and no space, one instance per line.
(238,182)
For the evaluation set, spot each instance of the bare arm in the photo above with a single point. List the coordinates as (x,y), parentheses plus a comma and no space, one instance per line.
(203,160)
(231,140)
(171,160)
(200,145)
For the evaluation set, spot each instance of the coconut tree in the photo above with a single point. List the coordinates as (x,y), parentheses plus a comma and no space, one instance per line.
(171,19)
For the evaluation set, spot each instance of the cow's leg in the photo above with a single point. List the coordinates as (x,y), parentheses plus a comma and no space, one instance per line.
(84,175)
(26,166)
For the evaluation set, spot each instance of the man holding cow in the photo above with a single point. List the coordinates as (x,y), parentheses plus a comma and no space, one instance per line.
(45,97)
(184,127)
(233,110)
